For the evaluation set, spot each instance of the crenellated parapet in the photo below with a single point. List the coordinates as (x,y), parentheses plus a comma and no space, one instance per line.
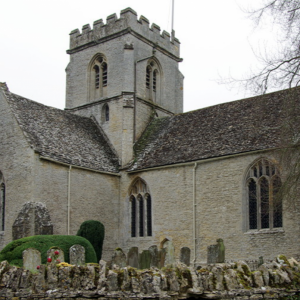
(127,23)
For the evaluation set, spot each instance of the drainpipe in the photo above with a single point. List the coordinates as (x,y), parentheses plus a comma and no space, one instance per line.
(135,90)
(69,199)
(194,212)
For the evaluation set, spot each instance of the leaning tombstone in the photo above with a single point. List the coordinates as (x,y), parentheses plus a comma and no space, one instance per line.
(133,257)
(154,256)
(170,253)
(31,259)
(55,255)
(185,255)
(119,258)
(77,255)
(145,259)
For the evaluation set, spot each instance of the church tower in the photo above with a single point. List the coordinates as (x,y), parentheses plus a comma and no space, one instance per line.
(123,73)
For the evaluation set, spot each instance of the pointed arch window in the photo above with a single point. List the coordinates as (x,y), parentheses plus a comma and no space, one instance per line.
(105,113)
(264,204)
(140,209)
(152,81)
(98,78)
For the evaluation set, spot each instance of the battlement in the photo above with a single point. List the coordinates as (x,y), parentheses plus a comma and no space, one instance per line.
(127,22)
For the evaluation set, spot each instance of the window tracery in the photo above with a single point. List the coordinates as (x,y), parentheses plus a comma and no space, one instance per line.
(141,209)
(264,204)
(98,77)
(152,81)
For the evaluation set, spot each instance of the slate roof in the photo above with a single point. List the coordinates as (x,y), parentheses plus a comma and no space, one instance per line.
(230,128)
(62,136)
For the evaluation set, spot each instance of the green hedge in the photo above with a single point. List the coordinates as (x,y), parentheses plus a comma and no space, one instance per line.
(13,251)
(94,232)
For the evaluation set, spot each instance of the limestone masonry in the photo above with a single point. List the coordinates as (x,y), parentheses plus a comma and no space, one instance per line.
(124,153)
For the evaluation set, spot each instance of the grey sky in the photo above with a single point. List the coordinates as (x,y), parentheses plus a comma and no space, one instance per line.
(215,35)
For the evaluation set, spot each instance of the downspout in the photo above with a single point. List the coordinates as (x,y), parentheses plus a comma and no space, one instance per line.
(135,91)
(194,212)
(69,199)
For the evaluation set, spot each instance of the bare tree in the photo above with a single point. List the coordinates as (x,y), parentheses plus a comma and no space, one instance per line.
(280,67)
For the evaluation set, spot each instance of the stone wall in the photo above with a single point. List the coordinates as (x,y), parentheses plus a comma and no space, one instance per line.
(231,281)
(221,211)
(17,167)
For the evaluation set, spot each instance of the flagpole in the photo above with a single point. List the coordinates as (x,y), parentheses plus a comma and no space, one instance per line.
(172,30)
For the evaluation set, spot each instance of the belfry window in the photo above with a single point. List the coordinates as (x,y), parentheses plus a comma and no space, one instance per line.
(98,78)
(152,81)
(264,204)
(140,209)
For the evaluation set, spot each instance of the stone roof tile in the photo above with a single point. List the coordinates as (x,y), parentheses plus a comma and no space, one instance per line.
(226,129)
(63,136)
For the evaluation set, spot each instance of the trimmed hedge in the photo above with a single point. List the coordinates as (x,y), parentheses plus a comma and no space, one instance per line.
(12,252)
(94,232)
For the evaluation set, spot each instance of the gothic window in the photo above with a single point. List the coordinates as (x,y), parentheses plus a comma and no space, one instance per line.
(133,216)
(140,209)
(2,202)
(264,204)
(152,81)
(98,78)
(105,113)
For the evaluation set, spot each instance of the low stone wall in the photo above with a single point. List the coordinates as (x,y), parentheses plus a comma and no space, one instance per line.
(219,281)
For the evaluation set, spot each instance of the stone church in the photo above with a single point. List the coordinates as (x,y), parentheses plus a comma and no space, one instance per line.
(124,153)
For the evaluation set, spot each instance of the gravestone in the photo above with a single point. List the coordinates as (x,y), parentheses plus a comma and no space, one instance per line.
(212,253)
(216,253)
(133,257)
(119,258)
(221,251)
(145,259)
(170,253)
(154,256)
(77,255)
(33,219)
(31,259)
(161,257)
(185,255)
(56,258)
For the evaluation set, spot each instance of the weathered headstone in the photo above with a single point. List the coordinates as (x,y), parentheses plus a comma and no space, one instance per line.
(77,255)
(145,259)
(216,253)
(133,257)
(31,259)
(154,256)
(185,255)
(161,257)
(119,258)
(56,254)
(170,253)
(212,253)
(221,251)
(33,219)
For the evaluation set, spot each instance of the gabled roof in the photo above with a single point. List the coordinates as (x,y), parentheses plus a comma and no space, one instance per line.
(230,128)
(63,136)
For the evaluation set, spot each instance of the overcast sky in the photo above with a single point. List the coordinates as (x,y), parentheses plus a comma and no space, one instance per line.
(216,40)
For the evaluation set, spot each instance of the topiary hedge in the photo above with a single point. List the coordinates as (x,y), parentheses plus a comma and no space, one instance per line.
(94,232)
(12,252)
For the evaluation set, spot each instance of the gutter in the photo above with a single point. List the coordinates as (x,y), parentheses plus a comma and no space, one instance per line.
(79,167)
(202,160)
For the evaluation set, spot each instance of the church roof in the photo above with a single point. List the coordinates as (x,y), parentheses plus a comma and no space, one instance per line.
(63,136)
(226,129)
